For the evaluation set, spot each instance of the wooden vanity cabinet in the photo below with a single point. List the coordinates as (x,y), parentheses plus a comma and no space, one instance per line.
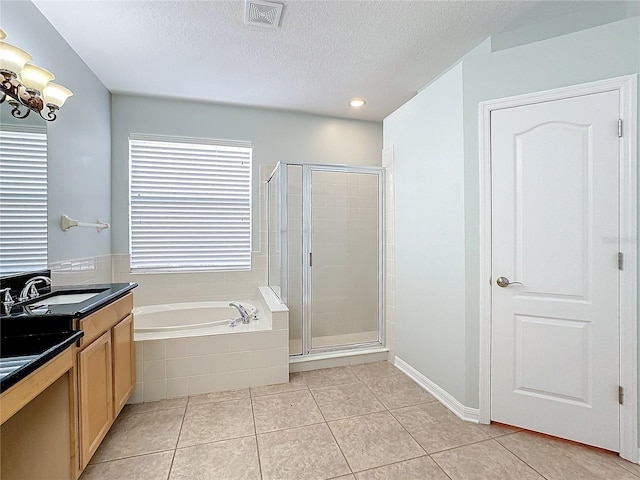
(124,363)
(96,399)
(106,372)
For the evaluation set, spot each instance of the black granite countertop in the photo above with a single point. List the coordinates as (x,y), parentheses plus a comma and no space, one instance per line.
(24,354)
(35,332)
(38,307)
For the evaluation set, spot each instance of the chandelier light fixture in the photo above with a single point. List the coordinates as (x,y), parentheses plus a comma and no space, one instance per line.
(28,85)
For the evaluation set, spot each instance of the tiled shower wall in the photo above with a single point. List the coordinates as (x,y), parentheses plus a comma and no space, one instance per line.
(345,253)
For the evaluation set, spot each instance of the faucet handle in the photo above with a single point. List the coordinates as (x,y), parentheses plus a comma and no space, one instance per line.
(6,292)
(7,301)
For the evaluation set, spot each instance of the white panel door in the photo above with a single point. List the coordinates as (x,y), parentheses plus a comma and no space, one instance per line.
(555,335)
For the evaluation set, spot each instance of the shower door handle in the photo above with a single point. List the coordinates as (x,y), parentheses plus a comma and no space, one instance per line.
(310,259)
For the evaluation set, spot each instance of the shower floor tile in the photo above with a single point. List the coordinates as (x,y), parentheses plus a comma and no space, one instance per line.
(361,422)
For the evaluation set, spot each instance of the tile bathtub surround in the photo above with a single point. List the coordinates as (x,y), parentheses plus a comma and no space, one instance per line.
(229,435)
(213,363)
(178,367)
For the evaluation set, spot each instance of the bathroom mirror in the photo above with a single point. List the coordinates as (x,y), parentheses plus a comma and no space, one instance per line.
(23,192)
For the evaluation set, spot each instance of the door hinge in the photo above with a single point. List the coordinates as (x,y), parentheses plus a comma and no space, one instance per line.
(310,259)
(620,260)
(619,127)
(620,394)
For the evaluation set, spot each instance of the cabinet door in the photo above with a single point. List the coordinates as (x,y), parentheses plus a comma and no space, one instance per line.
(124,373)
(96,395)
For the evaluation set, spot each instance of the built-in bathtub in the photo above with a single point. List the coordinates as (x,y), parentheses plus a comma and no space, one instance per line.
(177,320)
(190,348)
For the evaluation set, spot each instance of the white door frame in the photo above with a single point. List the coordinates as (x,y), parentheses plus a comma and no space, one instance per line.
(628,220)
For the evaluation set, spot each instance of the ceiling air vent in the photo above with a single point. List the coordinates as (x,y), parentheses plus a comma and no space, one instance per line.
(263,14)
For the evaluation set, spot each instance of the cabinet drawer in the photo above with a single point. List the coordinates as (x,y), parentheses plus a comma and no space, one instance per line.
(104,319)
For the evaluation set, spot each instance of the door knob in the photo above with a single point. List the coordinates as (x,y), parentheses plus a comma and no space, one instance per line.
(504,282)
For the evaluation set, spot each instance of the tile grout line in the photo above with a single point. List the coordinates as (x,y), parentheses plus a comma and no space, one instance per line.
(427,454)
(409,459)
(522,460)
(214,441)
(175,450)
(306,387)
(255,433)
(129,457)
(133,414)
(332,434)
(363,382)
(394,417)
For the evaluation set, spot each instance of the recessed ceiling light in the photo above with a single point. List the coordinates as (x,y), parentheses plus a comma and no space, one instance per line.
(357,102)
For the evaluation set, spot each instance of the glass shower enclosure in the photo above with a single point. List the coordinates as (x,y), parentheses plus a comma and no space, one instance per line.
(325,254)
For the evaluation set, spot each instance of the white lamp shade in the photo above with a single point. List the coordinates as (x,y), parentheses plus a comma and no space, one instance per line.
(3,34)
(55,94)
(35,77)
(12,58)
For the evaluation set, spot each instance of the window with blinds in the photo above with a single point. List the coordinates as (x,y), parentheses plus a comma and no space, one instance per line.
(23,199)
(190,204)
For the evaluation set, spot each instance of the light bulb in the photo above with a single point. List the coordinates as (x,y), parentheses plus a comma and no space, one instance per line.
(55,94)
(12,58)
(35,77)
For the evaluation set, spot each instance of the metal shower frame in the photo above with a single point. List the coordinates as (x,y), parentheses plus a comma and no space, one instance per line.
(307,171)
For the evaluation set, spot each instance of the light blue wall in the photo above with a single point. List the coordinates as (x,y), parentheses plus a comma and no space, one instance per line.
(79,140)
(276,136)
(427,134)
(593,54)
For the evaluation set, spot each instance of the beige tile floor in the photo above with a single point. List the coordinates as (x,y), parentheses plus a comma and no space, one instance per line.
(361,422)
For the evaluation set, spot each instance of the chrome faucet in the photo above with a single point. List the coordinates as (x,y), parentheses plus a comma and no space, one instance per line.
(246,318)
(30,290)
(7,301)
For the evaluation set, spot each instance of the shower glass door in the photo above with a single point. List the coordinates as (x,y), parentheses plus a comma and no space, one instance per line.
(344,249)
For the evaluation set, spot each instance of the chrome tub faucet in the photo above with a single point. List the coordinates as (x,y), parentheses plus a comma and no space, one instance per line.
(246,317)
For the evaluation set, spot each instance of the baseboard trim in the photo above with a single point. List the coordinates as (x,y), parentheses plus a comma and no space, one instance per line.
(465,413)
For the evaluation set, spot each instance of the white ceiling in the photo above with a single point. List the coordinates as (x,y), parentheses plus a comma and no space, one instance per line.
(325,53)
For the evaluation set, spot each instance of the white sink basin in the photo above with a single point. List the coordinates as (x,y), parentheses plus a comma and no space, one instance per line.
(64,299)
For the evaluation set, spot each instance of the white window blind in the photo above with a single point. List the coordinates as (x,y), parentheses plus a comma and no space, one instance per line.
(23,199)
(190,204)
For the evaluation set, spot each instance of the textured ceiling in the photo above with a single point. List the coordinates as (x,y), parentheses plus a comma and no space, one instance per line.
(325,52)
